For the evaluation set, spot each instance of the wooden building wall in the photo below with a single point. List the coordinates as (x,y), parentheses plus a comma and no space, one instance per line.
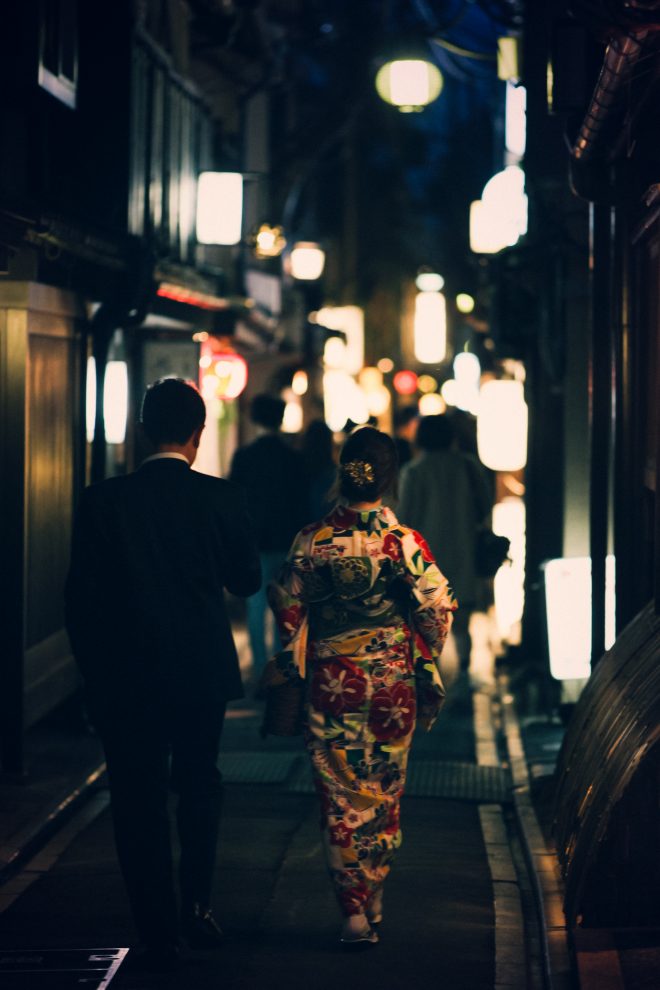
(39,398)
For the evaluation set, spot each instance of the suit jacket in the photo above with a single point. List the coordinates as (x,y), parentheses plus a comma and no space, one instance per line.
(274,478)
(152,554)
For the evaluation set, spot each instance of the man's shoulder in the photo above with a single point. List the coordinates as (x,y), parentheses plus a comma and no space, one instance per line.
(213,487)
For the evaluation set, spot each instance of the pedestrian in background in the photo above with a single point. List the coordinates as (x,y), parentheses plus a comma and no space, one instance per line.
(152,554)
(445,494)
(317,449)
(272,475)
(405,431)
(363,613)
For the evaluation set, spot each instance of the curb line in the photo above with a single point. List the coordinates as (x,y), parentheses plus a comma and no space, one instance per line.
(540,857)
(31,841)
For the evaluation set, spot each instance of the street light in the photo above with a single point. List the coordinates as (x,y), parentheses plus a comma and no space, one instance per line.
(409,84)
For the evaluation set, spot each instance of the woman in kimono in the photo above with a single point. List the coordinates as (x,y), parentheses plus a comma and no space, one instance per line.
(363,612)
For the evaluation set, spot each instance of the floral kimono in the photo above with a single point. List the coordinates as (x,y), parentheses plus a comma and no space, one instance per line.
(363,612)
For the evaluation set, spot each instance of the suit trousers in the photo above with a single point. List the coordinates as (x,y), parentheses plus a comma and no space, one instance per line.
(169,746)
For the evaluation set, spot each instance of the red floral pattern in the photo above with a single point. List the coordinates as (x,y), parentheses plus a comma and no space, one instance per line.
(340,835)
(289,620)
(341,518)
(354,899)
(392,547)
(362,704)
(392,714)
(338,687)
(423,546)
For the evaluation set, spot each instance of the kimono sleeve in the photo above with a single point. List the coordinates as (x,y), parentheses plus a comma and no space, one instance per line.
(285,597)
(432,605)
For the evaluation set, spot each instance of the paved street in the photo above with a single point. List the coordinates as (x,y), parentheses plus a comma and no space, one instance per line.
(272,896)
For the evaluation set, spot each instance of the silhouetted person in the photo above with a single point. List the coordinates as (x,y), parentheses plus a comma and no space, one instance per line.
(152,554)
(317,450)
(405,430)
(272,475)
(445,494)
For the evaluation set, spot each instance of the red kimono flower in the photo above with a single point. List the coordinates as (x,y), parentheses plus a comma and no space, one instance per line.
(341,518)
(392,712)
(289,619)
(392,547)
(422,648)
(337,687)
(354,899)
(340,835)
(423,546)
(393,823)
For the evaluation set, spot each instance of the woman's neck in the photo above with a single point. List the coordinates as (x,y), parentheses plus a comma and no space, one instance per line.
(365,506)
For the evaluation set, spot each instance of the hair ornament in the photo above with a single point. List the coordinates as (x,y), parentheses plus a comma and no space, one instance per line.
(360,472)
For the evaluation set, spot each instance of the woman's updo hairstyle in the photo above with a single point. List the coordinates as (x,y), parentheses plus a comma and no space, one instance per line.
(368,465)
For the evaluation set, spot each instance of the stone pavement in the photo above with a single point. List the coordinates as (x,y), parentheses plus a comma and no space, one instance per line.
(272,895)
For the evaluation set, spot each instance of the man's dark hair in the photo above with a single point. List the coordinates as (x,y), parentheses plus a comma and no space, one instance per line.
(172,409)
(368,465)
(268,411)
(435,433)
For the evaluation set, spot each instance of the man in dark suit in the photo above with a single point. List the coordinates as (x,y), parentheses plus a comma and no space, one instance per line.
(274,478)
(152,553)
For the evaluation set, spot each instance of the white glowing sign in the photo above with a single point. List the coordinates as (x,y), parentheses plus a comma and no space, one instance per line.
(219,207)
(568,611)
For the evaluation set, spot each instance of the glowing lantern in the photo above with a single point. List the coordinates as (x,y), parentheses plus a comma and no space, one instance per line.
(449,391)
(292,421)
(467,373)
(219,207)
(464,302)
(334,353)
(350,321)
(568,612)
(429,282)
(515,128)
(225,373)
(502,426)
(115,401)
(504,194)
(489,231)
(90,398)
(430,327)
(231,371)
(307,261)
(378,400)
(432,404)
(299,382)
(427,383)
(370,379)
(269,242)
(377,395)
(343,399)
(405,382)
(409,84)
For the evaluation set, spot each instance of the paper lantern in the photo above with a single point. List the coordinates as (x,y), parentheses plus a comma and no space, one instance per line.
(502,426)
(219,207)
(409,84)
